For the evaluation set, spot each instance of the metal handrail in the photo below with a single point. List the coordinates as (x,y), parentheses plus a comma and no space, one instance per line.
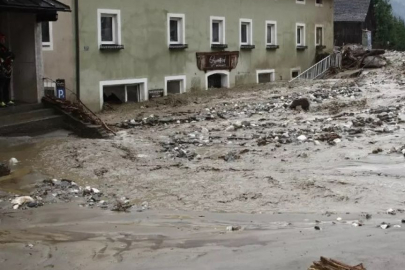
(317,70)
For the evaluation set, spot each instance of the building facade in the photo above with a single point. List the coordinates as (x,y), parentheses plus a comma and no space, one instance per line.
(58,51)
(145,48)
(354,19)
(20,22)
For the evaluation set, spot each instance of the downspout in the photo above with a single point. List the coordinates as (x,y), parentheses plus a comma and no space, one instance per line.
(77,46)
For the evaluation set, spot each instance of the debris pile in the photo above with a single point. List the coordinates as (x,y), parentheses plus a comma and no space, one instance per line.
(52,191)
(356,56)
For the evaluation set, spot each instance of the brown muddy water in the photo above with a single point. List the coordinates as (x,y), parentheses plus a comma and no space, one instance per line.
(28,171)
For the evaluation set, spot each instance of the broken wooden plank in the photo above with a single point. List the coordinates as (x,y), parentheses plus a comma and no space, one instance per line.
(330,264)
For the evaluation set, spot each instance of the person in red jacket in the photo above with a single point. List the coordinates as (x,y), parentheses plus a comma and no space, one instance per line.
(6,70)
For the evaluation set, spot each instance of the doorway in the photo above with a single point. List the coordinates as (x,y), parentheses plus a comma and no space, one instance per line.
(217,79)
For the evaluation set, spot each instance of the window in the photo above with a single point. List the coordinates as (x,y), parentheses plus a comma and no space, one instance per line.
(319,35)
(319,3)
(300,2)
(175,85)
(176,29)
(109,24)
(295,72)
(300,34)
(246,37)
(217,30)
(265,76)
(271,33)
(47,40)
(120,91)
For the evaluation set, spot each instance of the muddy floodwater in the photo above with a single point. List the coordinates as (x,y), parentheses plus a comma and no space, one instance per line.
(295,185)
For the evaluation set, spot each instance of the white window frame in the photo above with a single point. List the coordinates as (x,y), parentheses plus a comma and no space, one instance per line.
(116,26)
(223,72)
(318,5)
(249,33)
(143,81)
(265,71)
(303,36)
(316,34)
(181,28)
(293,70)
(302,2)
(275,32)
(181,78)
(222,30)
(48,46)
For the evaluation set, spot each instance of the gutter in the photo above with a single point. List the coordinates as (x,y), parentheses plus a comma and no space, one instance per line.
(77,46)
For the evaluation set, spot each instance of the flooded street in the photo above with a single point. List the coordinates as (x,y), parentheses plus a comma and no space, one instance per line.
(292,185)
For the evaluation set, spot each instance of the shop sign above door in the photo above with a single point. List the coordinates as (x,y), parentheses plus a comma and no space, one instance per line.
(217,60)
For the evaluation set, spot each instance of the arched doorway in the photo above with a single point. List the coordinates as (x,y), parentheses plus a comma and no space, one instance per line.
(217,79)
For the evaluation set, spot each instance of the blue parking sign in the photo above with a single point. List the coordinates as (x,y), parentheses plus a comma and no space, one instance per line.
(60,89)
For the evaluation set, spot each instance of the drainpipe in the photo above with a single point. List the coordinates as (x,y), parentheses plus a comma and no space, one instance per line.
(77,45)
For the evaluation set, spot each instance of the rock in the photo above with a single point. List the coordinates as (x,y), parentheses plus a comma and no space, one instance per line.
(391,212)
(100,172)
(230,129)
(302,138)
(13,162)
(317,228)
(384,226)
(397,226)
(205,131)
(238,125)
(336,141)
(301,102)
(4,170)
(231,156)
(377,151)
(145,205)
(121,205)
(339,219)
(32,204)
(316,142)
(403,221)
(374,62)
(233,228)
(22,200)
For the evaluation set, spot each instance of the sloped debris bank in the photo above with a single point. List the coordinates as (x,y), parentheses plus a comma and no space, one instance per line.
(52,191)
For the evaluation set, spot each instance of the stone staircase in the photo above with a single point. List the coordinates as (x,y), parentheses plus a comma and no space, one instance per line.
(29,120)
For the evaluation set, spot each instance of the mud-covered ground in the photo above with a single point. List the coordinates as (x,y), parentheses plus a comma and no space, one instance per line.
(240,151)
(194,164)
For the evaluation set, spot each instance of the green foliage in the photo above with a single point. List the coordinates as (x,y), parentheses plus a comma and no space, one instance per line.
(390,33)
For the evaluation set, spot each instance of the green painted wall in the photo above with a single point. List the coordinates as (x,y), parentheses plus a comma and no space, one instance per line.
(146,53)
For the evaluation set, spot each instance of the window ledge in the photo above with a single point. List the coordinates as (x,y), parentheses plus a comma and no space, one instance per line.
(320,47)
(247,47)
(178,46)
(111,47)
(272,47)
(219,46)
(302,48)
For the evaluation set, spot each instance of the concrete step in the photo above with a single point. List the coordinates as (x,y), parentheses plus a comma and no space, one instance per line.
(20,109)
(32,127)
(21,116)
